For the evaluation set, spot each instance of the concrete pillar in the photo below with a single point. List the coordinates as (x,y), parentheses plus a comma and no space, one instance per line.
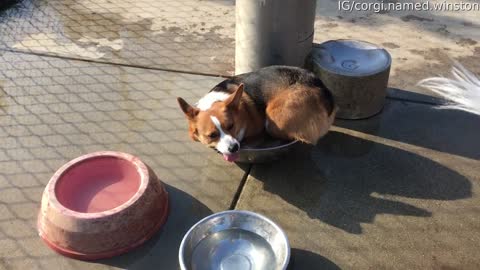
(273,32)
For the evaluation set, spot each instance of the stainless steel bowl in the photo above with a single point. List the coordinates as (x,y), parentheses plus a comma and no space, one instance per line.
(356,72)
(233,240)
(268,152)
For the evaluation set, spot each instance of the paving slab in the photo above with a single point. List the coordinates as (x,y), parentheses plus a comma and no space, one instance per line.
(53,110)
(198,36)
(404,95)
(186,35)
(397,191)
(422,43)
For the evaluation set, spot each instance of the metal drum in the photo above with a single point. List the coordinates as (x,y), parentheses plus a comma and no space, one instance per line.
(357,74)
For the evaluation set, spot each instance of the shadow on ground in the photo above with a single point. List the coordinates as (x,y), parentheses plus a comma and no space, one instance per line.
(346,181)
(404,95)
(161,252)
(4,4)
(451,131)
(305,260)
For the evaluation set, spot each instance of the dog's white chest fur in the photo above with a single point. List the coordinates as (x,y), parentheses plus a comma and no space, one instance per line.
(206,101)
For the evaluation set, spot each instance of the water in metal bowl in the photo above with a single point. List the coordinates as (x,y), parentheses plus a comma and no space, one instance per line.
(234,240)
(233,249)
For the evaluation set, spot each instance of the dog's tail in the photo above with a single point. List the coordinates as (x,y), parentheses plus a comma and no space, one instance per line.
(462,92)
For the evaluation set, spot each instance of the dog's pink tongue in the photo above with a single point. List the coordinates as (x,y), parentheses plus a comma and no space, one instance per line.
(230,157)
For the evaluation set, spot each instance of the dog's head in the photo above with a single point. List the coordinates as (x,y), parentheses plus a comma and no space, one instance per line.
(216,121)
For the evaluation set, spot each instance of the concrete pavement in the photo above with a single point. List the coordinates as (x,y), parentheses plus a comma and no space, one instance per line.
(397,191)
(53,110)
(198,36)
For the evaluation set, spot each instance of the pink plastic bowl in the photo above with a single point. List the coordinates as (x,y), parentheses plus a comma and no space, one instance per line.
(101,205)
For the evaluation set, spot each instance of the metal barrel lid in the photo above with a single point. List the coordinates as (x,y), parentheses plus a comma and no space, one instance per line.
(351,57)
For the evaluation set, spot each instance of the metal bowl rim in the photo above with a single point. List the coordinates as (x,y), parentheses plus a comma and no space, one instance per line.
(189,232)
(355,75)
(269,148)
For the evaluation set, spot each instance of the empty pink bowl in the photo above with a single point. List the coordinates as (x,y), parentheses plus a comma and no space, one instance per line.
(101,205)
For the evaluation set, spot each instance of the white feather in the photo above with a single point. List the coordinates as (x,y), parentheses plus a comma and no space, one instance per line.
(462,91)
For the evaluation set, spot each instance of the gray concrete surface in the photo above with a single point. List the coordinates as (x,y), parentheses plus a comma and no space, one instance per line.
(199,36)
(53,110)
(398,191)
(188,35)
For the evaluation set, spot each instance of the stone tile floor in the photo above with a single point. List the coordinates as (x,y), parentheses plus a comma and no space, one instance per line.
(397,191)
(199,35)
(53,110)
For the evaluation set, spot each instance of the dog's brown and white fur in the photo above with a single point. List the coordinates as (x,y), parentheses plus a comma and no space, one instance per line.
(286,102)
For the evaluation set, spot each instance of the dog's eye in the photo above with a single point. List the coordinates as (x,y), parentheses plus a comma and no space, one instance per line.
(212,135)
(229,127)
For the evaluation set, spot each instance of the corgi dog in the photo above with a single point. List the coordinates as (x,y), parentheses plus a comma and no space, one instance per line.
(286,103)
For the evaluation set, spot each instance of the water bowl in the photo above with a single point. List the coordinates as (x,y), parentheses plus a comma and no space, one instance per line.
(269,151)
(234,240)
(101,205)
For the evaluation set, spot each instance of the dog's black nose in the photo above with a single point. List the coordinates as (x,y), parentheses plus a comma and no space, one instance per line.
(233,148)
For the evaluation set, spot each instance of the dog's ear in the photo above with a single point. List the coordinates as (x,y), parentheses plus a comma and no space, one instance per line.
(234,99)
(190,112)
